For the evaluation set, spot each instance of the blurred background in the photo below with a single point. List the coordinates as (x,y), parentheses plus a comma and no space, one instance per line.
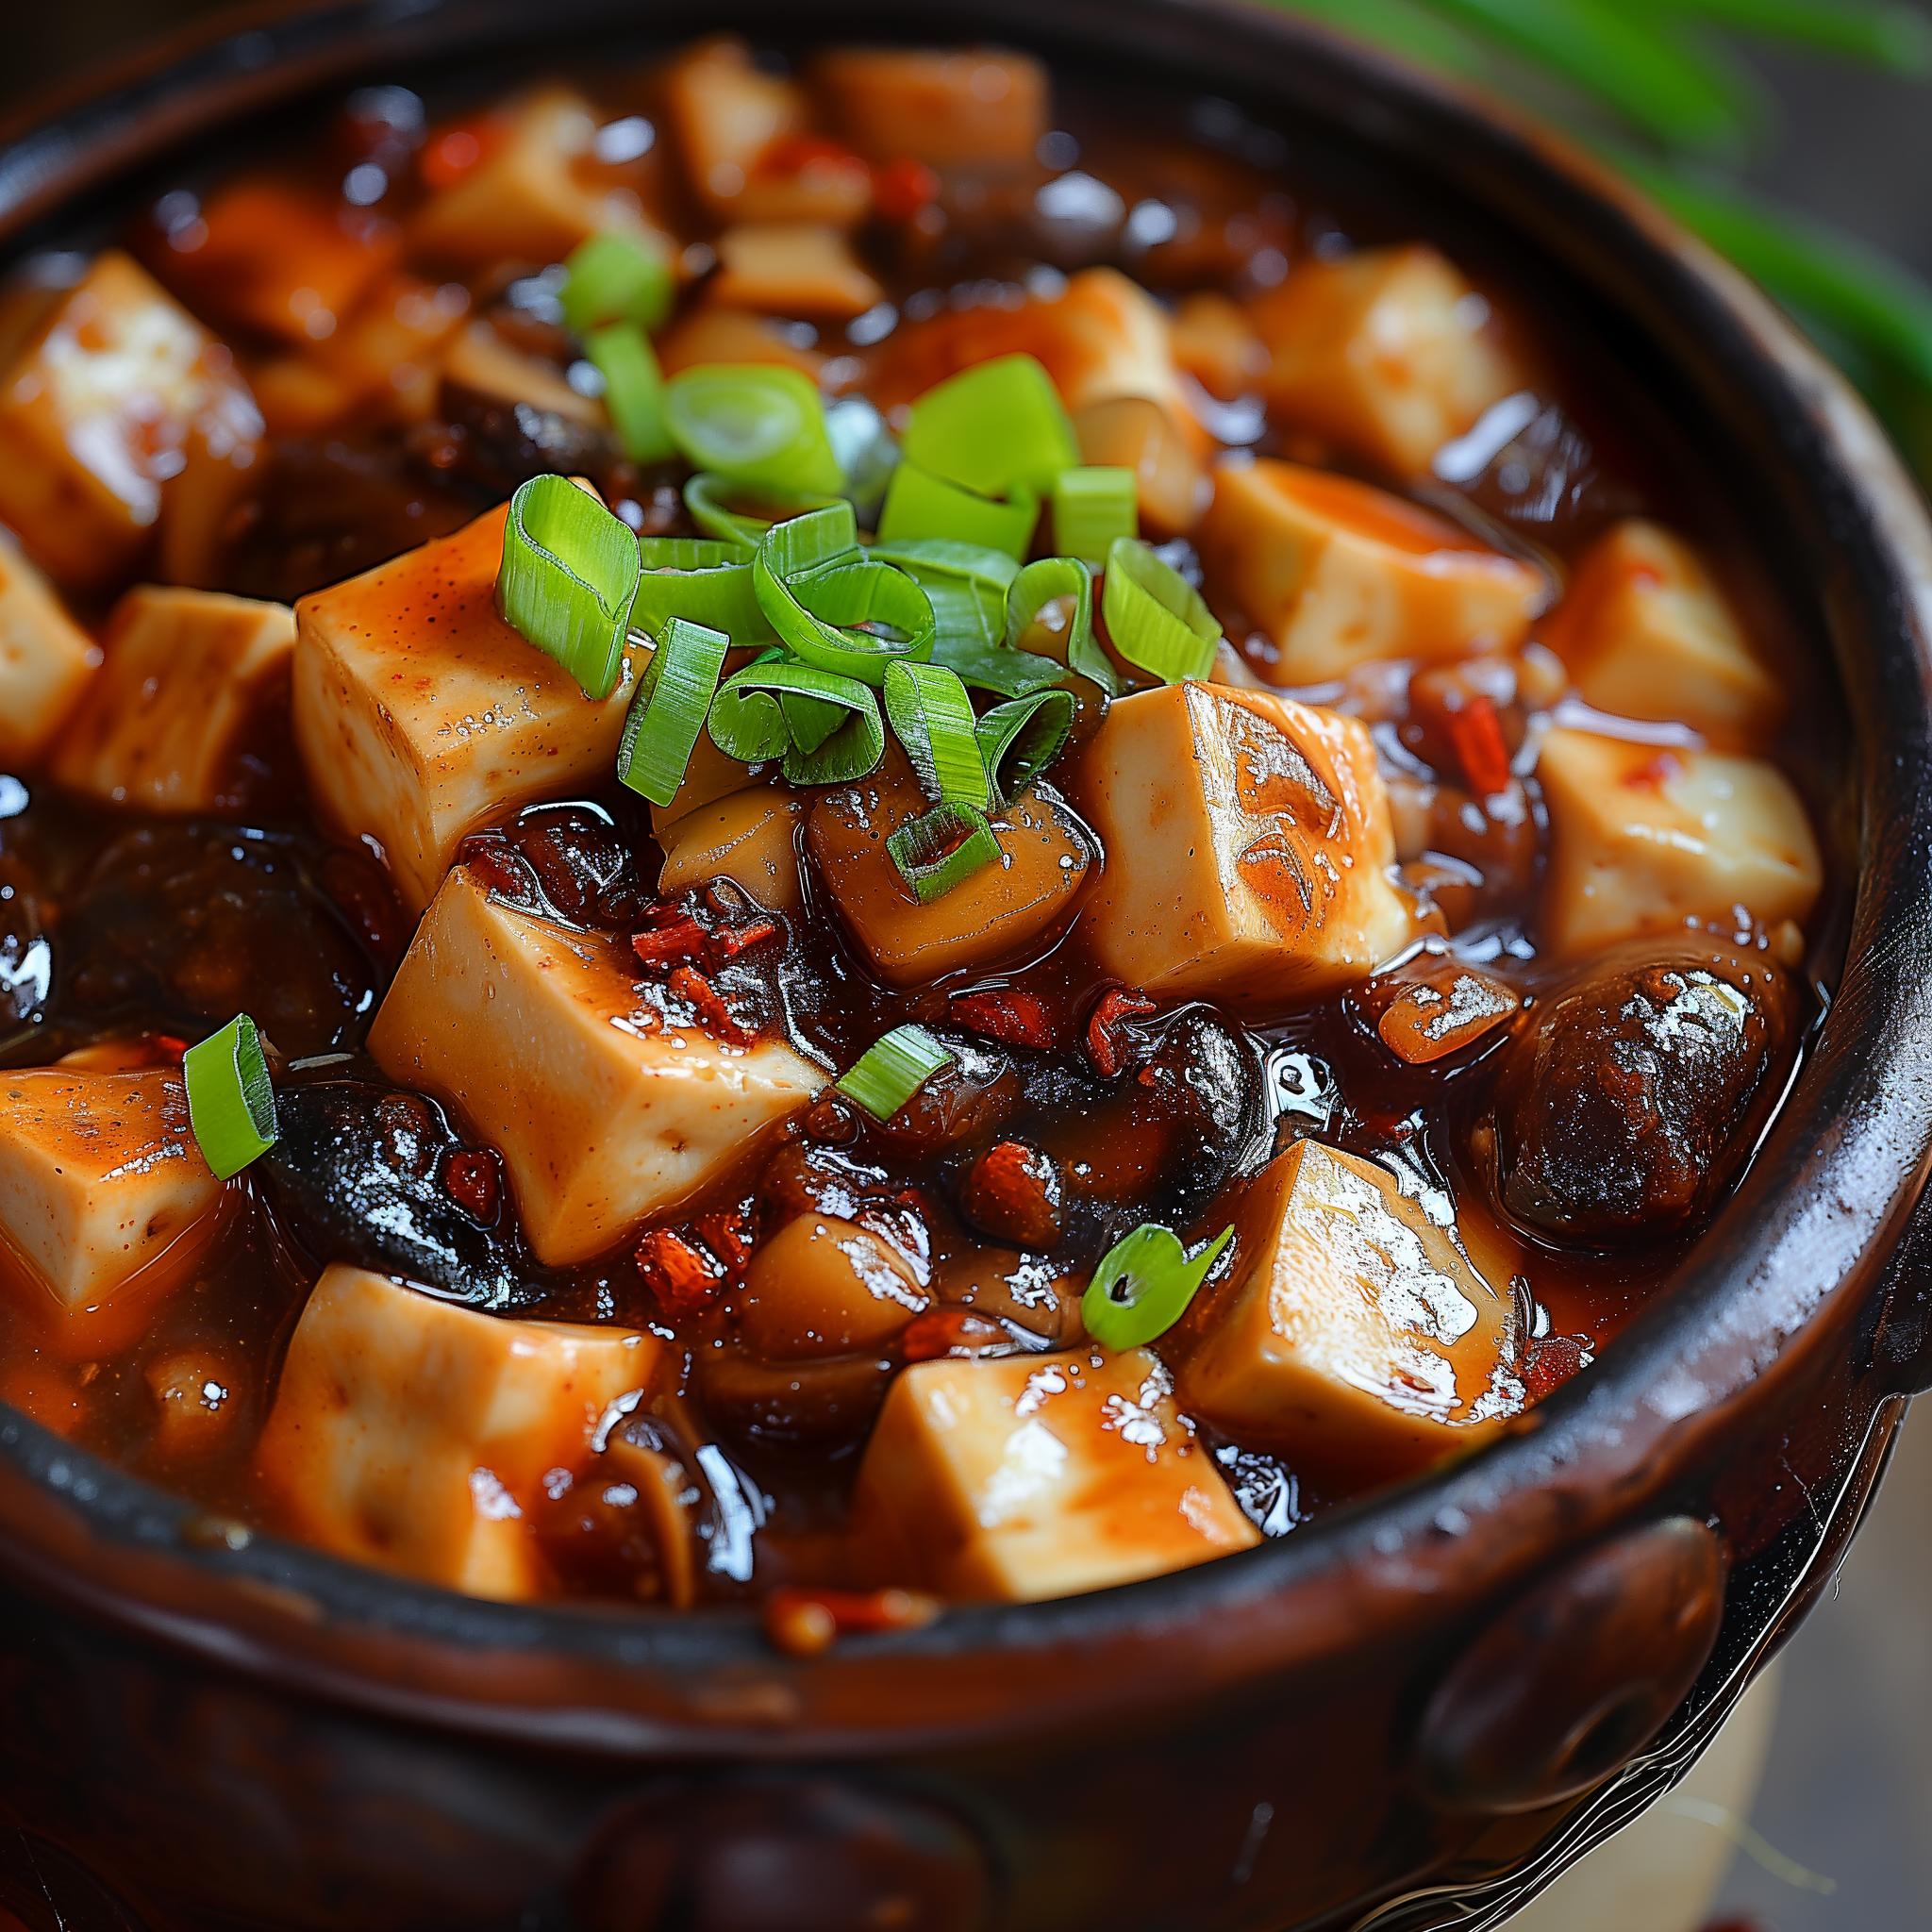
(1798,135)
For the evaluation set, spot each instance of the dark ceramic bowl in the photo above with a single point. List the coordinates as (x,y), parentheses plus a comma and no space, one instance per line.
(1408,1715)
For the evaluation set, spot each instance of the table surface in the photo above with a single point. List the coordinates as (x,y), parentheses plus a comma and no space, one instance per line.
(1848,1793)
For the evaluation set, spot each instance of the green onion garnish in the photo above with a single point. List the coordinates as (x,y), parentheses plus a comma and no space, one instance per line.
(231,1103)
(998,427)
(569,573)
(669,712)
(1144,1284)
(1019,740)
(633,390)
(943,848)
(866,450)
(836,607)
(759,425)
(827,728)
(892,1068)
(703,580)
(710,501)
(1157,619)
(933,716)
(1091,508)
(1044,582)
(614,278)
(921,507)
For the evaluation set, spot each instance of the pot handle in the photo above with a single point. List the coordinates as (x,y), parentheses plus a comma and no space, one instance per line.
(1902,1345)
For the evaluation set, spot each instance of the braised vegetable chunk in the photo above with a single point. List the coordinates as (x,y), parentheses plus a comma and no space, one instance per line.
(45,659)
(1249,842)
(981,108)
(1040,1478)
(416,1435)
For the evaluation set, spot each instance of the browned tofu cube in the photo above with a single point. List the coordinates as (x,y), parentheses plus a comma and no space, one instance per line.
(750,837)
(605,1112)
(973,108)
(418,1435)
(1335,572)
(186,675)
(821,1286)
(45,660)
(1248,847)
(791,268)
(1389,353)
(100,1180)
(709,334)
(95,416)
(1037,1477)
(419,711)
(1352,1333)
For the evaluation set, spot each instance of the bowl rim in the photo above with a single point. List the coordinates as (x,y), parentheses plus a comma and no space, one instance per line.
(1773,1291)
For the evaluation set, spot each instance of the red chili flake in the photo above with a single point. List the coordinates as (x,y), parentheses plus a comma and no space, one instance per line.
(940,1331)
(1013,1018)
(1652,775)
(1552,1362)
(730,941)
(454,152)
(729,1233)
(680,941)
(805,1622)
(682,1276)
(792,154)
(902,187)
(1475,730)
(171,1045)
(1114,1007)
(471,1180)
(708,1003)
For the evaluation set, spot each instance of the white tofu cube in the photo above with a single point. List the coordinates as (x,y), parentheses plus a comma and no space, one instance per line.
(1352,1333)
(603,1113)
(1389,353)
(1647,840)
(1335,572)
(1248,848)
(415,1434)
(100,1180)
(1646,633)
(1039,1477)
(420,713)
(186,675)
(45,660)
(95,416)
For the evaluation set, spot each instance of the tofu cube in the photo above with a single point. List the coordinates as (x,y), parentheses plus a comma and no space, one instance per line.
(45,660)
(1389,353)
(751,837)
(791,268)
(980,109)
(821,1286)
(1647,840)
(95,418)
(412,1433)
(186,675)
(1248,847)
(1353,1334)
(100,1180)
(1037,1477)
(1646,633)
(1336,573)
(706,333)
(420,713)
(605,1113)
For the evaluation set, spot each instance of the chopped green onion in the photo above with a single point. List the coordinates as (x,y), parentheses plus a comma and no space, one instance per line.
(1019,740)
(892,1068)
(1157,619)
(795,545)
(1049,580)
(701,580)
(759,425)
(997,668)
(998,427)
(933,716)
(231,1103)
(633,390)
(965,583)
(669,712)
(943,848)
(569,573)
(1091,508)
(866,449)
(827,728)
(614,278)
(1144,1284)
(836,607)
(707,498)
(921,507)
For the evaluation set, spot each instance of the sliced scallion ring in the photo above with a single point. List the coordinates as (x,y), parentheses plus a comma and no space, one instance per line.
(1044,582)
(1091,508)
(997,668)
(717,506)
(965,583)
(866,452)
(922,506)
(615,277)
(674,700)
(943,848)
(633,390)
(568,578)
(703,580)
(836,607)
(1019,739)
(1155,617)
(930,709)
(996,428)
(231,1102)
(892,1068)
(826,727)
(1144,1284)
(761,425)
